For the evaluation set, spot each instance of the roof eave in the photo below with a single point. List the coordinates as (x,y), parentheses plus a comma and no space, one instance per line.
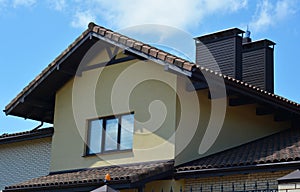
(31,135)
(53,66)
(232,170)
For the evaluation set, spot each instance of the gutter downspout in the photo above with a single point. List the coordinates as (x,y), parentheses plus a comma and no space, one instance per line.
(39,126)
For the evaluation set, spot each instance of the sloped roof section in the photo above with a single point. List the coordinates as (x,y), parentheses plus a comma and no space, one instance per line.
(26,135)
(36,101)
(291,177)
(105,188)
(282,147)
(130,173)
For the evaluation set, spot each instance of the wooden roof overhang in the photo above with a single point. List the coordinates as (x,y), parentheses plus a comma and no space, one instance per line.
(37,100)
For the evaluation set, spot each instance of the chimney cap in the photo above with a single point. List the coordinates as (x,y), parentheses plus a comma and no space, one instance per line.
(259,43)
(220,34)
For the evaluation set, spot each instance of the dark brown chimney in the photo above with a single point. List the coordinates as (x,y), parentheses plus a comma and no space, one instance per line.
(258,64)
(238,57)
(225,48)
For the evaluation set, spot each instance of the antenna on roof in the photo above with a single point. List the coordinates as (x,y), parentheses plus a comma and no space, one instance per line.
(248,33)
(247,38)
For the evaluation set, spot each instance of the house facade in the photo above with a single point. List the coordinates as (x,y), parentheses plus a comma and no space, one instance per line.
(156,122)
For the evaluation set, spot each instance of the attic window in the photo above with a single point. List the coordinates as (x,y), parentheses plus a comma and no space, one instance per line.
(114,133)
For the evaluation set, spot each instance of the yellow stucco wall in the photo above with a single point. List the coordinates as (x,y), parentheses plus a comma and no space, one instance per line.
(164,112)
(241,125)
(143,88)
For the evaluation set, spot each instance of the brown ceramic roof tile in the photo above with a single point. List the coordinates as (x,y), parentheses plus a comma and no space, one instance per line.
(138,46)
(123,40)
(170,59)
(26,135)
(279,147)
(165,57)
(119,174)
(161,55)
(153,52)
(146,49)
(129,42)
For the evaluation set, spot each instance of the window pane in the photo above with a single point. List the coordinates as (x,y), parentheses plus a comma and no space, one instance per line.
(111,136)
(127,124)
(95,136)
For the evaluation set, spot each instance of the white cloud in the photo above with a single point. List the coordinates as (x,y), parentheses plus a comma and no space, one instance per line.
(58,5)
(82,19)
(23,3)
(3,3)
(285,8)
(182,14)
(268,14)
(211,6)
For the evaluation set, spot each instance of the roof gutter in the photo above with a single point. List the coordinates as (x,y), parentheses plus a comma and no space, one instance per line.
(58,187)
(269,167)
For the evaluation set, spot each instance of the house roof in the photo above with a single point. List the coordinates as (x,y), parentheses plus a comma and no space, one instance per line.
(104,188)
(36,101)
(291,177)
(131,173)
(278,149)
(26,135)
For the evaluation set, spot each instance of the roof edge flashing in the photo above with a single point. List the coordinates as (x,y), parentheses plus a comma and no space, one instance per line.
(220,34)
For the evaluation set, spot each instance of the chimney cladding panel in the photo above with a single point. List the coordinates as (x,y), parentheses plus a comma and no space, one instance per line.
(258,64)
(221,53)
(251,62)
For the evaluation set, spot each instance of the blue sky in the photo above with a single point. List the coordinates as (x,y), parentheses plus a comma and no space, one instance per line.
(34,32)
